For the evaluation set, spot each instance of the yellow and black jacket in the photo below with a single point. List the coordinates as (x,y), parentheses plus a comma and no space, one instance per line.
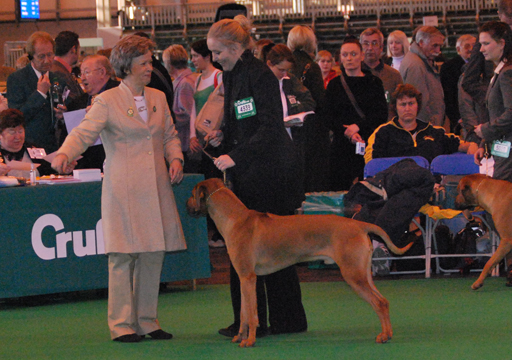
(391,140)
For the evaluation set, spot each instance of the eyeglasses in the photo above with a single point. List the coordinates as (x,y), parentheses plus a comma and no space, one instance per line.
(88,72)
(374,43)
(14,131)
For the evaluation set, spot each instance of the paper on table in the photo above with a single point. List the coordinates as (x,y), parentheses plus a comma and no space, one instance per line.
(73,118)
(24,166)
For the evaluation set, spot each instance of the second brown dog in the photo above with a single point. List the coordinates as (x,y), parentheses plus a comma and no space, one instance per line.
(495,197)
(260,244)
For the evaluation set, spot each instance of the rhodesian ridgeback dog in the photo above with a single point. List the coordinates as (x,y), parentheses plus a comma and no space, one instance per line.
(495,197)
(260,244)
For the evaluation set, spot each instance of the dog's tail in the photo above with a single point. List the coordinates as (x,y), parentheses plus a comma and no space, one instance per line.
(376,230)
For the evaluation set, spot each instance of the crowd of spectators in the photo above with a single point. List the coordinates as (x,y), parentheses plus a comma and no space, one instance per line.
(374,99)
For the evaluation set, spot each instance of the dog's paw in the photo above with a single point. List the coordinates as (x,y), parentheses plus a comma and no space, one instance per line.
(382,338)
(476,285)
(247,343)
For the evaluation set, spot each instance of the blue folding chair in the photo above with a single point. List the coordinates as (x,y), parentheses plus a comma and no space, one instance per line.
(457,164)
(377,165)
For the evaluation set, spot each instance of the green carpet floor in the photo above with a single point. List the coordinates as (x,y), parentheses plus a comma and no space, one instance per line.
(432,319)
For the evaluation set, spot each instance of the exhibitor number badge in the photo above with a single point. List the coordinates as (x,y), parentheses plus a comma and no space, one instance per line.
(245,108)
(500,148)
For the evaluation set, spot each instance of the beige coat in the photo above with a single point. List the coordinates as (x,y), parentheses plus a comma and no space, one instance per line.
(137,204)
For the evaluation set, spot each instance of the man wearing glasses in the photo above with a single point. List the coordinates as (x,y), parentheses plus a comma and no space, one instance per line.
(28,90)
(96,74)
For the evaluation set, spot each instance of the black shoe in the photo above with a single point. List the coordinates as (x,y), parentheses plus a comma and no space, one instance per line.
(232,331)
(160,335)
(128,338)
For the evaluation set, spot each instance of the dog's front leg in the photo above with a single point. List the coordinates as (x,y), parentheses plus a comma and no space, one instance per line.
(248,312)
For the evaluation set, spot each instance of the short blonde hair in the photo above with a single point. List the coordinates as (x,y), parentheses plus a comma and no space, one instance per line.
(302,37)
(232,31)
(175,56)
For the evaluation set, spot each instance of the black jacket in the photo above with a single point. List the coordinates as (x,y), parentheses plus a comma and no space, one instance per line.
(267,174)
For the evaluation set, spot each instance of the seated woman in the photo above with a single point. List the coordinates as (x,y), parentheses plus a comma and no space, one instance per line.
(14,148)
(405,135)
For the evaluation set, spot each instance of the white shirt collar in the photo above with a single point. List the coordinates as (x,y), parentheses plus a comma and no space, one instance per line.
(38,73)
(499,67)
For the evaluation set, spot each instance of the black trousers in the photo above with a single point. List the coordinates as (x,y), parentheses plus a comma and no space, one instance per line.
(282,292)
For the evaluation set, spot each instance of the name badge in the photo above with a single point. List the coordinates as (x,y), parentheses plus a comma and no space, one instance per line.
(292,99)
(36,153)
(500,148)
(245,108)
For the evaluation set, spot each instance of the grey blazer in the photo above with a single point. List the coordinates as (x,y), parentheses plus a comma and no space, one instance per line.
(499,106)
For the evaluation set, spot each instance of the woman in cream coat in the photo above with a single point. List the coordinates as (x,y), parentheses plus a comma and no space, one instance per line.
(140,218)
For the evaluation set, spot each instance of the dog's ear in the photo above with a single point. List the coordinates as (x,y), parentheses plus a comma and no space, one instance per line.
(199,195)
(465,191)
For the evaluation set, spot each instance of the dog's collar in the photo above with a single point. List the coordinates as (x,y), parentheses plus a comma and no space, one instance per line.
(208,198)
(477,188)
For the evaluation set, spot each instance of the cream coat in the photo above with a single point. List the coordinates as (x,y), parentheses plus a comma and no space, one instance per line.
(137,204)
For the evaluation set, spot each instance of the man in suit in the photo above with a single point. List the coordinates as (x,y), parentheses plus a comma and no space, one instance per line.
(67,50)
(450,74)
(28,90)
(96,75)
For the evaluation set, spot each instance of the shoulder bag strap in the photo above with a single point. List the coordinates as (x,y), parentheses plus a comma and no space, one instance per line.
(351,97)
(306,69)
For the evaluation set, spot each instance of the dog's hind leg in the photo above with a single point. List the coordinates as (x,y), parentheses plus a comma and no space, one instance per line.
(357,274)
(502,250)
(248,312)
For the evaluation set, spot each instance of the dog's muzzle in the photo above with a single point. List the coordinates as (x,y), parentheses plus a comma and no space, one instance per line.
(192,208)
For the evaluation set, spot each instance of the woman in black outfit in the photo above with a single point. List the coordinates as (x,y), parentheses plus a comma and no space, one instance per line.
(302,42)
(343,119)
(261,162)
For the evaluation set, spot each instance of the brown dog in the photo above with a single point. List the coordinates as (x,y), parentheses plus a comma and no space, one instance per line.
(495,197)
(260,244)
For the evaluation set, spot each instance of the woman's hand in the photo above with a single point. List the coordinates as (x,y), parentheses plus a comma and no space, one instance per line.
(195,145)
(350,131)
(176,171)
(62,165)
(478,131)
(214,138)
(4,169)
(355,138)
(479,155)
(224,162)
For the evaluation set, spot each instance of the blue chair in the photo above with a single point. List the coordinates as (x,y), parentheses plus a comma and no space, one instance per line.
(377,165)
(457,164)
(454,164)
